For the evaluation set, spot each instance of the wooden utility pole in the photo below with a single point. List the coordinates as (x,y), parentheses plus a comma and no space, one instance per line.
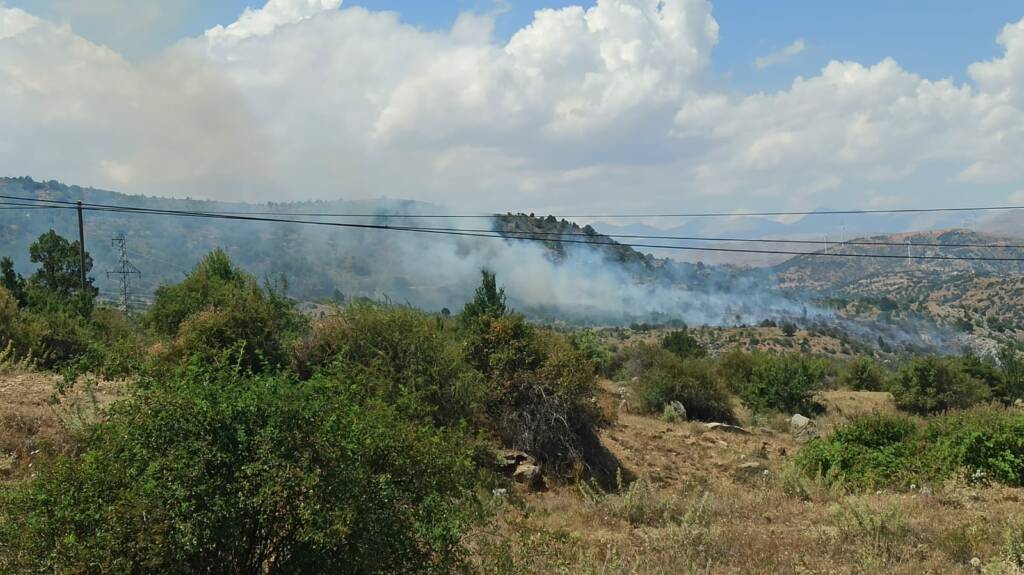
(81,244)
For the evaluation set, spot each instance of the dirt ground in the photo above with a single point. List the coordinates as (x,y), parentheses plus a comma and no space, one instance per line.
(36,419)
(714,501)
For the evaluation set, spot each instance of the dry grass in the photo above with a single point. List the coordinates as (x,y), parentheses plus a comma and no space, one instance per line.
(36,421)
(692,511)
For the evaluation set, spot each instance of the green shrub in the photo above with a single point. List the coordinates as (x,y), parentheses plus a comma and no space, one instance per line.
(55,338)
(783,383)
(600,356)
(405,354)
(932,384)
(634,360)
(867,452)
(1011,386)
(985,443)
(219,307)
(213,473)
(543,391)
(863,374)
(683,344)
(692,382)
(736,368)
(8,317)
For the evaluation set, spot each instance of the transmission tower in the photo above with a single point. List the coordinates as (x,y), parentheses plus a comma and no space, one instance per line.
(126,269)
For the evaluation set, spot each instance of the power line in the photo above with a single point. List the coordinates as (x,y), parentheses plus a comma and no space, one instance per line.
(255,215)
(609,216)
(496,234)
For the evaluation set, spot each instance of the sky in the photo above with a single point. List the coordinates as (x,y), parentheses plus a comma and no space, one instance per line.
(613,106)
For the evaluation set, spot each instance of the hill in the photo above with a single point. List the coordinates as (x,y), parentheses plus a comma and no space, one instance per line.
(595,281)
(980,299)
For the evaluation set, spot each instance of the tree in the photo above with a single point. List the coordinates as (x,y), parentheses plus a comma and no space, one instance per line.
(12,281)
(60,267)
(683,344)
(1012,384)
(933,384)
(489,300)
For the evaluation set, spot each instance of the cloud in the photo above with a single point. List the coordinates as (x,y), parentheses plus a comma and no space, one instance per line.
(780,57)
(264,21)
(611,107)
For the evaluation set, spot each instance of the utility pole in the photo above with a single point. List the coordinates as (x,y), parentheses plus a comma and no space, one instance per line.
(125,269)
(908,251)
(81,244)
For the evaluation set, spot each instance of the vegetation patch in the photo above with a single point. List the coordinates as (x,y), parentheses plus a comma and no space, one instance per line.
(983,444)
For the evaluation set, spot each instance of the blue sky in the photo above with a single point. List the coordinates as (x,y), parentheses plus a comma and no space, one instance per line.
(935,38)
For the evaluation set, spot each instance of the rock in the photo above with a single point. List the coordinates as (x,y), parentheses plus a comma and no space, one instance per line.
(1019,404)
(725,427)
(751,470)
(679,409)
(509,460)
(529,475)
(802,428)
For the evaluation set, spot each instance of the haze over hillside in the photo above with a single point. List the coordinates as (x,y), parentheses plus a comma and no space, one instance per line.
(553,281)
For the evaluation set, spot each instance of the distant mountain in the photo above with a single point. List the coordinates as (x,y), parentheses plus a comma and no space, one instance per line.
(318,261)
(979,300)
(816,272)
(821,227)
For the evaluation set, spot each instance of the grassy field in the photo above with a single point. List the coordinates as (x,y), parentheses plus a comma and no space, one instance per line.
(720,502)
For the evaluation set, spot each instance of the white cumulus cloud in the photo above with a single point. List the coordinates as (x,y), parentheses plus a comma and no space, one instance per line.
(610,107)
(780,57)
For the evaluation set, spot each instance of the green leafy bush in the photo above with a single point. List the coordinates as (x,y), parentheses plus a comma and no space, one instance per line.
(868,451)
(683,344)
(215,473)
(404,353)
(985,443)
(782,383)
(932,384)
(8,317)
(863,374)
(220,307)
(600,356)
(692,382)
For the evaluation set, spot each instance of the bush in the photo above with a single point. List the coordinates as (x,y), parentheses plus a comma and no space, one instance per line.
(986,443)
(683,344)
(1011,387)
(8,317)
(863,374)
(783,383)
(736,368)
(406,355)
(600,356)
(868,451)
(543,391)
(211,472)
(933,384)
(634,360)
(54,338)
(219,307)
(694,383)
